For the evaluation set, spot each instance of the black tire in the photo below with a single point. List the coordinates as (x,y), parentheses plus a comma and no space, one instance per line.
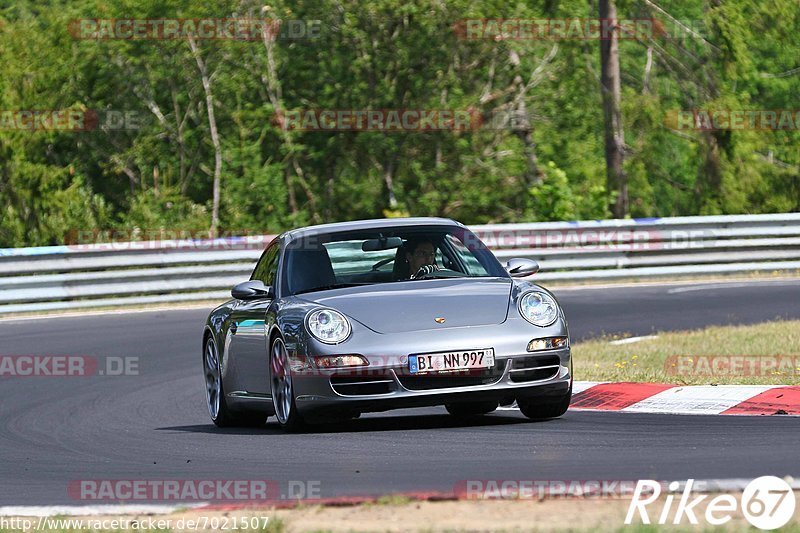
(471,408)
(542,409)
(282,389)
(219,411)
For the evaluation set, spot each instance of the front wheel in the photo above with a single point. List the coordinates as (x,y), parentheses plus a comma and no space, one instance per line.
(538,409)
(218,409)
(283,388)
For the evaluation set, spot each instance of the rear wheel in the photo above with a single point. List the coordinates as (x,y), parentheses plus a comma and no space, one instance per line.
(471,408)
(218,408)
(283,388)
(538,408)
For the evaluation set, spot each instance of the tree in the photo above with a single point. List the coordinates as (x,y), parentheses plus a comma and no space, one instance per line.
(610,86)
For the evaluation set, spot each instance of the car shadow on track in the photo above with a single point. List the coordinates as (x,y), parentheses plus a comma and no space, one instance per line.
(368,424)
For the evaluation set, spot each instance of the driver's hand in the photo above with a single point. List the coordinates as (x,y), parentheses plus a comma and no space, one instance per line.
(425,270)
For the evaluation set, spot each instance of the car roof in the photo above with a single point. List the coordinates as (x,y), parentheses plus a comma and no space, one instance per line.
(356,225)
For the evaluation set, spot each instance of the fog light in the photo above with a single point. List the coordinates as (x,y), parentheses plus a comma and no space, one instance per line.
(339,361)
(550,343)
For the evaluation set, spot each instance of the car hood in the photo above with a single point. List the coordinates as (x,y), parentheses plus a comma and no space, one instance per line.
(413,305)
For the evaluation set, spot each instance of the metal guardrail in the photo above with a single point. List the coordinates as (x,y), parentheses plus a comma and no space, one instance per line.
(150,272)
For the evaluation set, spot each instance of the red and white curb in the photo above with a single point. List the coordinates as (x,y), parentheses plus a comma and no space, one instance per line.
(685,400)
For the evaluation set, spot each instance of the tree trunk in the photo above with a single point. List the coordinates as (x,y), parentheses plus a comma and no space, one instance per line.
(708,191)
(212,126)
(388,180)
(616,180)
(521,124)
(524,131)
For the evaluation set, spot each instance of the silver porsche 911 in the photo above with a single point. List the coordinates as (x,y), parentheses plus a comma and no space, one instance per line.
(373,315)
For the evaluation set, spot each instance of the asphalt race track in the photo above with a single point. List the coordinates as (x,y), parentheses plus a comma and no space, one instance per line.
(154,425)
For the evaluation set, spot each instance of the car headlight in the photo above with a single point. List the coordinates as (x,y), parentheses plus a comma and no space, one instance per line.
(538,308)
(328,326)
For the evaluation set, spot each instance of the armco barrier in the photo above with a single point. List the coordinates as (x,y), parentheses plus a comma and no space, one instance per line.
(72,277)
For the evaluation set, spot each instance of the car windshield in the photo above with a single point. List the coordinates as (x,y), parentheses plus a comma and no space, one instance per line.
(385,255)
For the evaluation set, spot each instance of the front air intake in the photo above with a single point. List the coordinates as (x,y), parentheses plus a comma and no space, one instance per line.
(362,385)
(535,368)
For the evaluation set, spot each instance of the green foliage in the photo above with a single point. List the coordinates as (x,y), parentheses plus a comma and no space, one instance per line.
(387,54)
(153,210)
(553,199)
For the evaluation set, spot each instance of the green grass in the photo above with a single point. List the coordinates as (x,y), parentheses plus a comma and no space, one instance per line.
(681,357)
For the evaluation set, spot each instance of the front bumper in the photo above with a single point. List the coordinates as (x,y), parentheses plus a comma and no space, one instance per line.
(535,374)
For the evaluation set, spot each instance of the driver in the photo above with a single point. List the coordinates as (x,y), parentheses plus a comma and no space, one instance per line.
(421,257)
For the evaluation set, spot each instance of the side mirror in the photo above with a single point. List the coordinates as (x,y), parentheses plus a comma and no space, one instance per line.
(519,268)
(251,290)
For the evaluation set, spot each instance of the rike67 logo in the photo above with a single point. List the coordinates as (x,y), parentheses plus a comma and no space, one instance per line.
(767,503)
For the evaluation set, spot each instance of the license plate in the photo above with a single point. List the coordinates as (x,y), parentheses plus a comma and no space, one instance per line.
(450,361)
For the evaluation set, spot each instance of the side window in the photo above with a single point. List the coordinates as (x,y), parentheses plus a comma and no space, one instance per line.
(267,267)
(473,266)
